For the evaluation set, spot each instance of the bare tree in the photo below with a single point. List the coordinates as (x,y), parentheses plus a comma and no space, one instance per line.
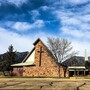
(61,49)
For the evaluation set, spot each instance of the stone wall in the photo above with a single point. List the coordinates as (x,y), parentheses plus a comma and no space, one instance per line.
(48,67)
(67,72)
(40,71)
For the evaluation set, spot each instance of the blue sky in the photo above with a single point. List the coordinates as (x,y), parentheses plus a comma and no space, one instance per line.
(23,21)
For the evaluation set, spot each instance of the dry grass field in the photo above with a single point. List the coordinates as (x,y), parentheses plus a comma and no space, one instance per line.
(44,84)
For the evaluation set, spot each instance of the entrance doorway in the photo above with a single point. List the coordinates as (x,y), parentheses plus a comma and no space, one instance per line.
(71,73)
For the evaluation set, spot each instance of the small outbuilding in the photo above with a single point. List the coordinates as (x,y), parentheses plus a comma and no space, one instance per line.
(78,66)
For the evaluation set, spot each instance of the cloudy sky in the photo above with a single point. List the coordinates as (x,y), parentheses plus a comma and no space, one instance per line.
(23,21)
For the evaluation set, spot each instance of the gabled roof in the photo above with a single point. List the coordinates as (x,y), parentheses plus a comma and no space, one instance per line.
(49,52)
(37,41)
(24,61)
(32,49)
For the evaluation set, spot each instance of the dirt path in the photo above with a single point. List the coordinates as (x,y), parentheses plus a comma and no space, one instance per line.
(43,84)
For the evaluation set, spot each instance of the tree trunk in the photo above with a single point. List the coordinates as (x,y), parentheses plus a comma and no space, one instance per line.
(3,73)
(64,72)
(59,70)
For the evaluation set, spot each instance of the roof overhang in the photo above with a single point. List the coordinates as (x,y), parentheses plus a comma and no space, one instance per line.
(23,64)
(76,67)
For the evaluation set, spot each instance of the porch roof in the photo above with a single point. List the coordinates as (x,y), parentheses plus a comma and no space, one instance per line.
(23,64)
(76,67)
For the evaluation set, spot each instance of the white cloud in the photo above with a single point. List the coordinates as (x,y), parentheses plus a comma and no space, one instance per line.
(78,34)
(74,25)
(39,23)
(81,46)
(17,2)
(77,1)
(35,14)
(70,21)
(44,8)
(85,9)
(20,42)
(64,3)
(84,18)
(23,26)
(71,32)
(25,43)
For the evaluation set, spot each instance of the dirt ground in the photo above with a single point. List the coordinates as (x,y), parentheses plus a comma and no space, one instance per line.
(44,84)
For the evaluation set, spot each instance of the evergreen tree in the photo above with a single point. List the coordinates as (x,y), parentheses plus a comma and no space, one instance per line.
(9,59)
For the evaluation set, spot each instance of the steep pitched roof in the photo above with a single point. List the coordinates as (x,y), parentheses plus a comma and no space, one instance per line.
(37,41)
(25,59)
(31,50)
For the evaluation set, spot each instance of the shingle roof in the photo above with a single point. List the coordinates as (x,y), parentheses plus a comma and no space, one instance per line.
(77,61)
(74,61)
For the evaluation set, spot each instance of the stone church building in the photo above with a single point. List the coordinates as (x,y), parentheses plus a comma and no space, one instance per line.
(40,63)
